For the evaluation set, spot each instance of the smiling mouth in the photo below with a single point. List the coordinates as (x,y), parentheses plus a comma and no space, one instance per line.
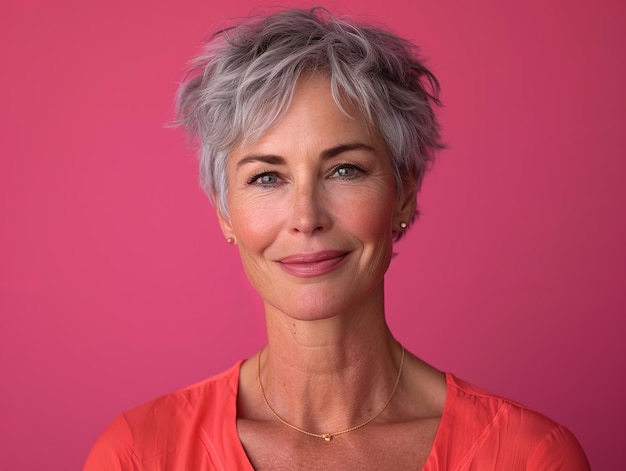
(313,264)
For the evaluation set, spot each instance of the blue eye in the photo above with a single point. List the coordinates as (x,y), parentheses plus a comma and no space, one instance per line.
(266,178)
(348,171)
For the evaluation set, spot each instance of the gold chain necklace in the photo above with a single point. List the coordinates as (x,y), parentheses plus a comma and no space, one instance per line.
(328,436)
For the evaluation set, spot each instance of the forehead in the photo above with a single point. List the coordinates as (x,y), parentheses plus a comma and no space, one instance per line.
(313,118)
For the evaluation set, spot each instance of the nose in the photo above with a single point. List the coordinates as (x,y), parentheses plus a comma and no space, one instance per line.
(309,213)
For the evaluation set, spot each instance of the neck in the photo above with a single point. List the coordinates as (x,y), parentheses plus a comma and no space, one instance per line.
(328,436)
(329,374)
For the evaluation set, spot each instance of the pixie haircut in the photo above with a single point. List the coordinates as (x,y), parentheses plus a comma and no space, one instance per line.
(243,81)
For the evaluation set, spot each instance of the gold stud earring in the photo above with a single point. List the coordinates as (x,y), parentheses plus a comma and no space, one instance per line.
(230,240)
(403,225)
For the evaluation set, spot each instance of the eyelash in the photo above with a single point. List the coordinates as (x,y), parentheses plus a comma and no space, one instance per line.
(359,169)
(253,179)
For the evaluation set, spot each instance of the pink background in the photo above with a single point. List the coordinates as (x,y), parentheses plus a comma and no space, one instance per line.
(116,285)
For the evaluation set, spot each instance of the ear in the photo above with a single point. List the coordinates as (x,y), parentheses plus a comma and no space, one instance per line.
(406,203)
(226,226)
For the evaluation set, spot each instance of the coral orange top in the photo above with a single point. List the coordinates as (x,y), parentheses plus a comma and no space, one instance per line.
(195,428)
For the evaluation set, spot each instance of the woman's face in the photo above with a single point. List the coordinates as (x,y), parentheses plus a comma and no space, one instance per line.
(312,208)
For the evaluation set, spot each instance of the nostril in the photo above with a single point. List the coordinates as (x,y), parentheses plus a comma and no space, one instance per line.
(309,207)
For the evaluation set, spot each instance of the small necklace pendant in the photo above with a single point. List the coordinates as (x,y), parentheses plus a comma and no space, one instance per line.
(327,437)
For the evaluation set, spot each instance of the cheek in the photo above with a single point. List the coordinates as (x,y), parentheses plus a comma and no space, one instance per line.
(372,215)
(255,230)
(255,225)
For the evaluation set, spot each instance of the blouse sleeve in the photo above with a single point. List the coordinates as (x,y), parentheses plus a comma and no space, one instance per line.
(559,450)
(113,451)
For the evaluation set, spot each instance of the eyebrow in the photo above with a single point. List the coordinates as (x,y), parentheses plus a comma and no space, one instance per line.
(325,155)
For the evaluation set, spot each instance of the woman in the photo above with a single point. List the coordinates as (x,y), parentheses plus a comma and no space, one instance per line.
(315,134)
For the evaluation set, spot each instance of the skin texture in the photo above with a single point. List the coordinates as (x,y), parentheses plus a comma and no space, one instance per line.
(313,211)
(344,202)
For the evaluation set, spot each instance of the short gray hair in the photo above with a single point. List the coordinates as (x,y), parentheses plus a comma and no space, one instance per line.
(243,81)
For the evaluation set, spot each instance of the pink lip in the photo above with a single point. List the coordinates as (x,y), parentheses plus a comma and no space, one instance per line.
(312,264)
